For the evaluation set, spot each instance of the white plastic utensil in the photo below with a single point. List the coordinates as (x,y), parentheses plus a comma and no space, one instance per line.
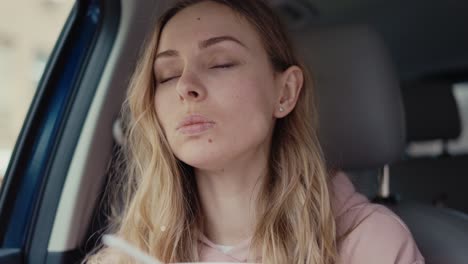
(122,245)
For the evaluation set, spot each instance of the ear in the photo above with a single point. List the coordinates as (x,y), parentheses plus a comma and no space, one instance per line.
(290,83)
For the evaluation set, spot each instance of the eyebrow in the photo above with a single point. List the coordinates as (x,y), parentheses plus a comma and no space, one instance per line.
(212,41)
(202,45)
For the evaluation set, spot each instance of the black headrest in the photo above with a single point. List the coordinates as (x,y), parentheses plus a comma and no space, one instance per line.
(360,106)
(431,111)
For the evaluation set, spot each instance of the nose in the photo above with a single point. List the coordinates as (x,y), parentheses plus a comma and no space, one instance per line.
(190,87)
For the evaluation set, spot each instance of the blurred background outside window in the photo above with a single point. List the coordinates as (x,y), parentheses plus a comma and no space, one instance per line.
(28,32)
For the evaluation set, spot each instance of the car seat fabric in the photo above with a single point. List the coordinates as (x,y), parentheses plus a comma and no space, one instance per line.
(360,106)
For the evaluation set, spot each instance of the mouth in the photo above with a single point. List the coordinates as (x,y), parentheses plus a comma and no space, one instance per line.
(195,124)
(195,128)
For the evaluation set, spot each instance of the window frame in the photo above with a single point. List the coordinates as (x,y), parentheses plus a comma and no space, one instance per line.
(51,130)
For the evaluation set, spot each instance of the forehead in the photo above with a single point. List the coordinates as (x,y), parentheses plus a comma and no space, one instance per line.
(206,20)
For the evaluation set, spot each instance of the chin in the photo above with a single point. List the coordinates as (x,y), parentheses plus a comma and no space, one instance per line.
(204,162)
(203,158)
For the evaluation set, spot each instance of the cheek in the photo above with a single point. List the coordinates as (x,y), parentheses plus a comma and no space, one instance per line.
(164,108)
(254,96)
(249,106)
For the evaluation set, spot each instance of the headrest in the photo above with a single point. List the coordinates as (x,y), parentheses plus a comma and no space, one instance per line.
(360,106)
(431,111)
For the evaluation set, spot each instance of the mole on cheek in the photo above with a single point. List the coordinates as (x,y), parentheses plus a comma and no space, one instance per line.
(198,18)
(210,140)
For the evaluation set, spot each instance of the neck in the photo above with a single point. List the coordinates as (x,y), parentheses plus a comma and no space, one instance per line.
(228,199)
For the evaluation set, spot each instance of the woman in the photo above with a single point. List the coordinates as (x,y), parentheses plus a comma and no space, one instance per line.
(222,164)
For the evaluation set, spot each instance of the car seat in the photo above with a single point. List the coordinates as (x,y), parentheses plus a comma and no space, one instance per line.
(362,127)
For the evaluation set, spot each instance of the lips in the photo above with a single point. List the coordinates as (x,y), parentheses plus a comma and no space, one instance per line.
(195,124)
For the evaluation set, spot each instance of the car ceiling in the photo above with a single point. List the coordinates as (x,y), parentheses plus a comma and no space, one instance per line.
(425,37)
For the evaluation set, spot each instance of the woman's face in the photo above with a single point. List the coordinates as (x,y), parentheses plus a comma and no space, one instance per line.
(216,90)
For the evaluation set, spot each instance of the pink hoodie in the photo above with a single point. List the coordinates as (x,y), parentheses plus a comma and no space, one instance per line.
(381,237)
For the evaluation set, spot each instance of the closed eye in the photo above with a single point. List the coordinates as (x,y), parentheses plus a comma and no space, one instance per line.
(168,79)
(223,66)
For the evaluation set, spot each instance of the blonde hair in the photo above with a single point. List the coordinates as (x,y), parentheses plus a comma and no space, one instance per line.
(160,209)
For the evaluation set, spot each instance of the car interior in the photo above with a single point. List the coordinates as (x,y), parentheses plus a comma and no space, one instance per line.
(384,74)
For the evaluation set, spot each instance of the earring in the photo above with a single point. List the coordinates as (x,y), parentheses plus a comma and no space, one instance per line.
(281,109)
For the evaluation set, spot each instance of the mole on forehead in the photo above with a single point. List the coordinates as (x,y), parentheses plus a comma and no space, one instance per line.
(198,18)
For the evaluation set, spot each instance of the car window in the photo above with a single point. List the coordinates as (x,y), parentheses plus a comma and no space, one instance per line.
(51,127)
(28,32)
